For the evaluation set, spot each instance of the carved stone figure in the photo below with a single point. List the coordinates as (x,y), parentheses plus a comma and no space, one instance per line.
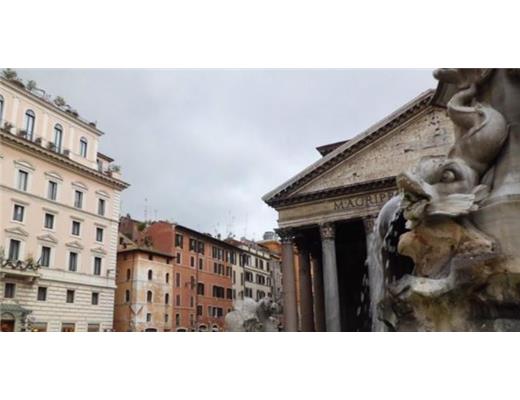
(252,316)
(462,230)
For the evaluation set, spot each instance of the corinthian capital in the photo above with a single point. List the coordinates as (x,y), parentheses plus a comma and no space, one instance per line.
(327,230)
(286,235)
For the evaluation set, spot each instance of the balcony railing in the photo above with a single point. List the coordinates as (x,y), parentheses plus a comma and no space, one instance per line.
(27,270)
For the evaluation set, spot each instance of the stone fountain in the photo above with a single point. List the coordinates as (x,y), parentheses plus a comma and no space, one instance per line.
(445,254)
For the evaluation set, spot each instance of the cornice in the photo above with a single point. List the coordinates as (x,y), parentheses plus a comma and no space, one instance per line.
(34,148)
(52,107)
(363,187)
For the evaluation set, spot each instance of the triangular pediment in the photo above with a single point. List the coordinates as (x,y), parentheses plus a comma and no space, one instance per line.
(17,231)
(75,245)
(98,250)
(397,151)
(48,238)
(389,147)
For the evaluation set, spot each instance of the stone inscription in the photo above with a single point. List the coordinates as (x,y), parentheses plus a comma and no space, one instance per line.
(364,201)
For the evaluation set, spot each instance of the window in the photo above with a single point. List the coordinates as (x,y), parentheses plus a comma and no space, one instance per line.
(178,300)
(42,294)
(149,296)
(229,294)
(167,298)
(9,290)
(70,296)
(23,178)
(178,240)
(128,274)
(192,261)
(148,317)
(177,319)
(52,190)
(18,213)
(218,292)
(97,265)
(29,123)
(192,302)
(201,263)
(78,199)
(93,328)
(178,258)
(200,288)
(95,298)
(127,296)
(150,257)
(58,137)
(166,317)
(83,147)
(14,250)
(177,280)
(150,274)
(48,221)
(193,245)
(1,108)
(76,226)
(248,292)
(45,258)
(99,234)
(167,277)
(101,207)
(199,310)
(73,261)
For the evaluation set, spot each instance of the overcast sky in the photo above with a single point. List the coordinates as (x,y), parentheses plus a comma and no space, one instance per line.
(203,146)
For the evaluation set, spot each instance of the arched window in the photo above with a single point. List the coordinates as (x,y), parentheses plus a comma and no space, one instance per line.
(127,296)
(128,274)
(58,137)
(149,296)
(167,277)
(150,274)
(30,118)
(1,108)
(83,147)
(166,298)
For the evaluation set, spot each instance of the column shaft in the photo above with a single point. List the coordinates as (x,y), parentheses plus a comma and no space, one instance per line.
(306,303)
(317,288)
(289,284)
(330,279)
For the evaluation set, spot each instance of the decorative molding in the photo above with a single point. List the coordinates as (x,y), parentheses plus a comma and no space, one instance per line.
(363,187)
(48,238)
(75,245)
(99,250)
(286,235)
(53,175)
(327,231)
(80,185)
(102,193)
(17,231)
(64,161)
(24,164)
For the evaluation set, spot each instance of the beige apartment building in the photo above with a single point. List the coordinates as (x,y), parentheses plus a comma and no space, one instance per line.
(59,219)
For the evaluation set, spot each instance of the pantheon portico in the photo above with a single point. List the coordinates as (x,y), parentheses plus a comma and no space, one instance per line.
(327,211)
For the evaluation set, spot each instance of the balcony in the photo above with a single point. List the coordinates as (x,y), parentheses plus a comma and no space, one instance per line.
(22,270)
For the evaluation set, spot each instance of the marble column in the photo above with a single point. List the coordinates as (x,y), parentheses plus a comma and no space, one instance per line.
(290,312)
(306,303)
(317,289)
(330,278)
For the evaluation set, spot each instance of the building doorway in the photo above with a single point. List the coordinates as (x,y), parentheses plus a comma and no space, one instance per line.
(351,253)
(7,323)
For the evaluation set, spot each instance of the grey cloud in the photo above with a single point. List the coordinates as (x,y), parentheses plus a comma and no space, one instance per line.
(203,146)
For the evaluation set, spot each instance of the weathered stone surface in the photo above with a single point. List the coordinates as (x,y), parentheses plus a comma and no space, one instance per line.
(430,133)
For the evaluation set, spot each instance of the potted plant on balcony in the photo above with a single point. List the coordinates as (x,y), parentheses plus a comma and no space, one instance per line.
(51,146)
(22,133)
(113,169)
(38,140)
(8,126)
